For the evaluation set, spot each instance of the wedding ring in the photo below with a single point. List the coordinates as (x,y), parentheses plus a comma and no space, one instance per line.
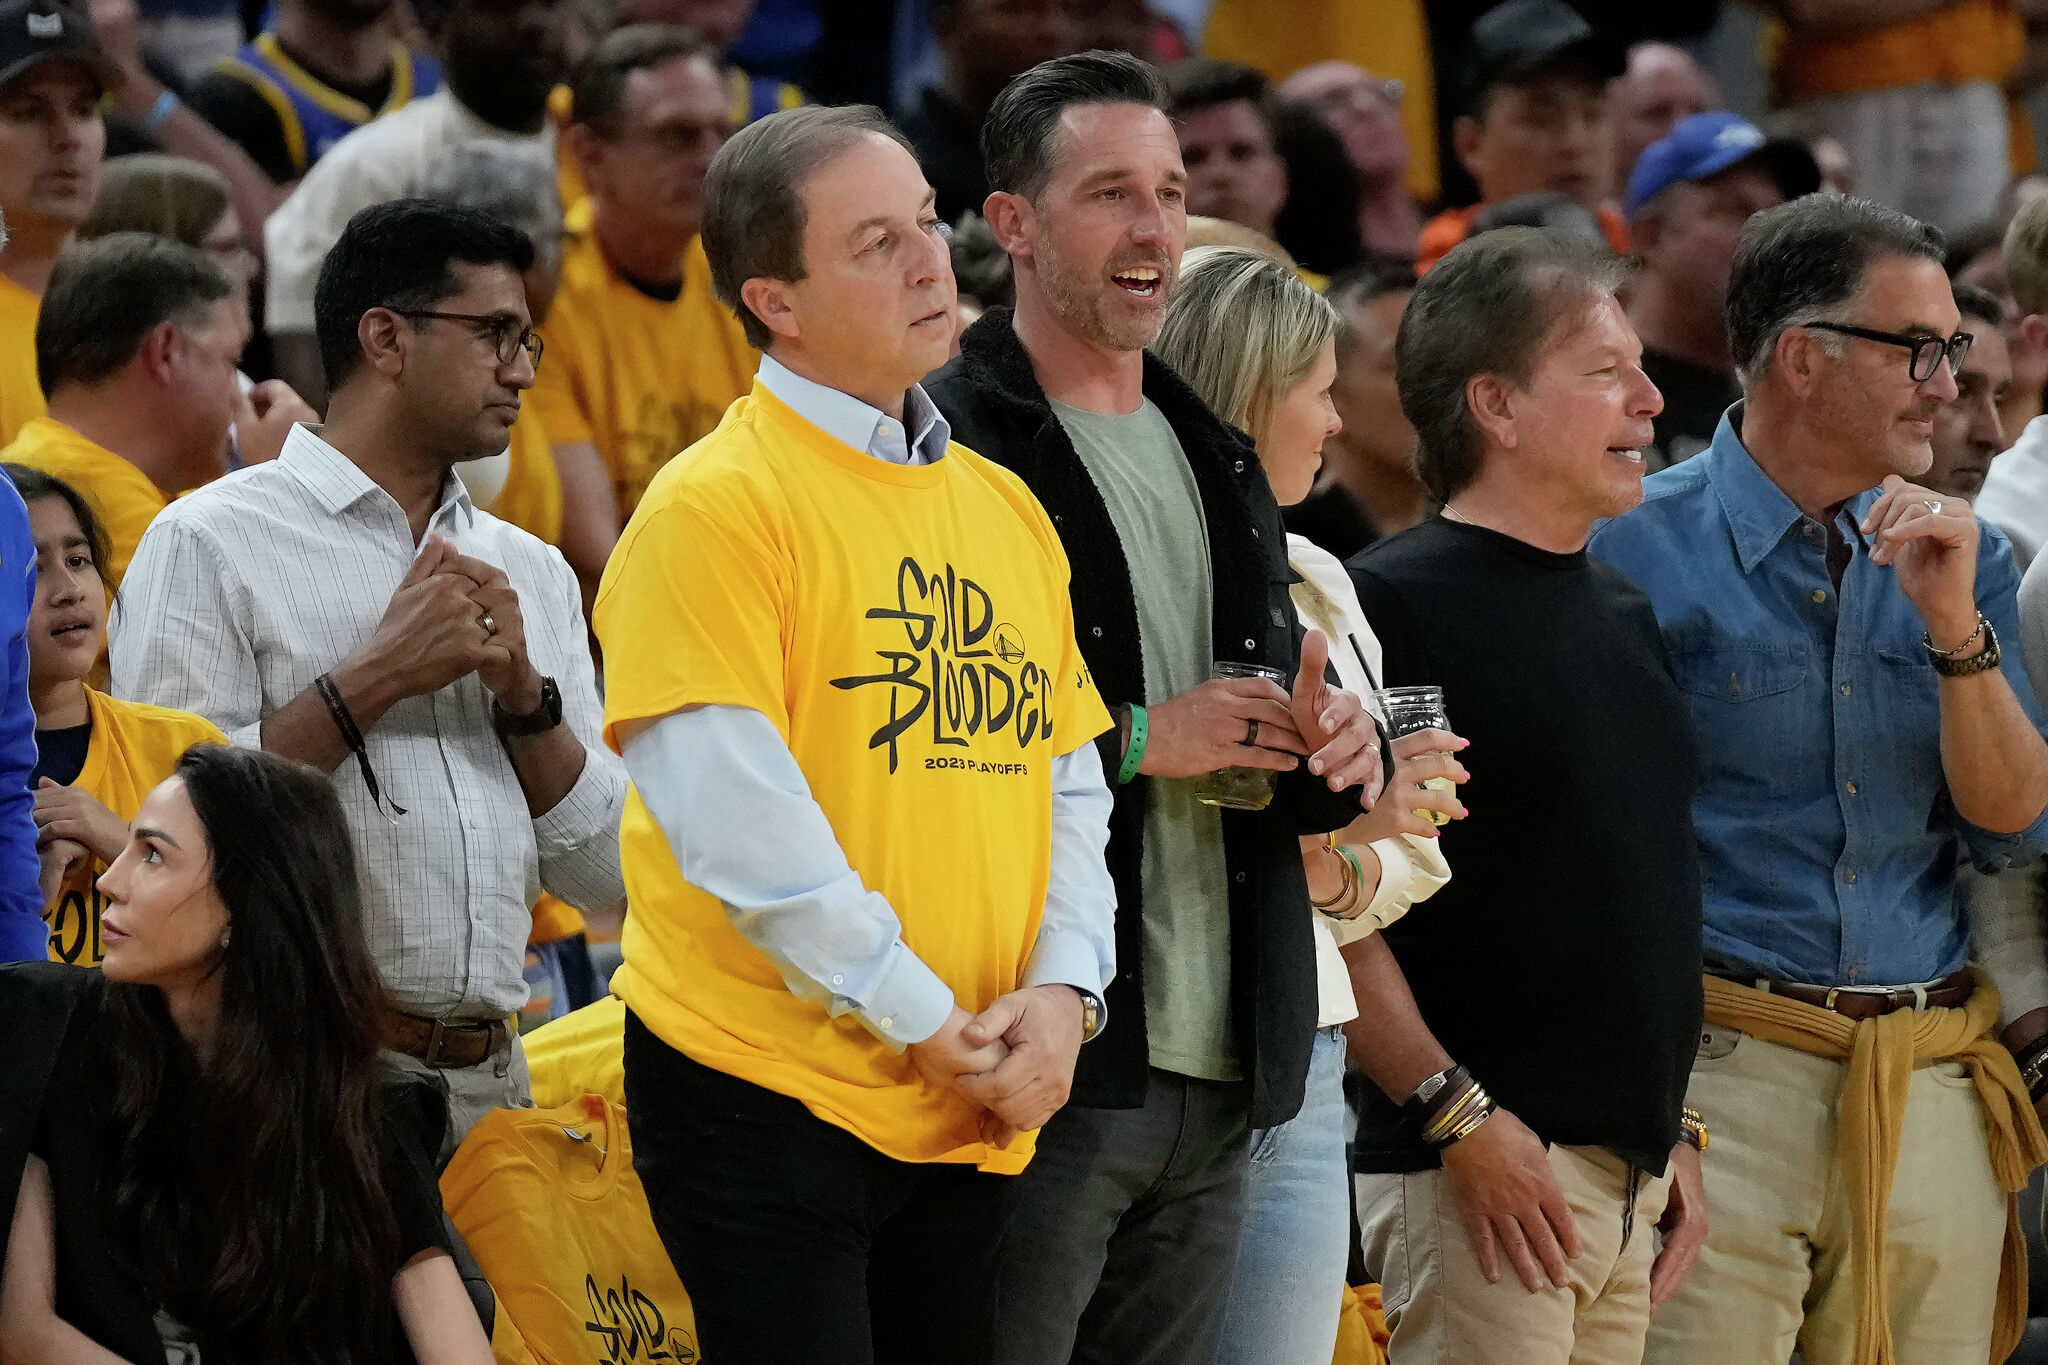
(1251,734)
(489,623)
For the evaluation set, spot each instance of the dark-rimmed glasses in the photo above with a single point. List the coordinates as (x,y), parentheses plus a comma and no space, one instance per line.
(1928,350)
(506,333)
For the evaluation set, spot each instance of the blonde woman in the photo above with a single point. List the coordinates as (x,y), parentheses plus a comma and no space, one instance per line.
(1259,346)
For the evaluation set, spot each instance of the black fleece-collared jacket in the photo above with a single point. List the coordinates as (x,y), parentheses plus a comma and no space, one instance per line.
(993,401)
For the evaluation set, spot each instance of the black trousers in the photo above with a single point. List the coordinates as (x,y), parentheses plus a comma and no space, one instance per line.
(800,1244)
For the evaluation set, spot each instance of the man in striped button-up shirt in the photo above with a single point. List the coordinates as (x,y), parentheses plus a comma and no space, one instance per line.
(349,606)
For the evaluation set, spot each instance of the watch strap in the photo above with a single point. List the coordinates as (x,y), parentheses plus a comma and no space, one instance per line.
(538,721)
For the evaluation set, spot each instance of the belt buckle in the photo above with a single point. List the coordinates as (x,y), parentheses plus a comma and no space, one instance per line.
(1887,993)
(432,1055)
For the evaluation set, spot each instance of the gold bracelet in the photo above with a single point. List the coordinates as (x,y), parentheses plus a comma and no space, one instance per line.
(1347,887)
(1474,1099)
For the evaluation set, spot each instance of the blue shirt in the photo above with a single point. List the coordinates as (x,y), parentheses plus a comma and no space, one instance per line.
(23,935)
(1828,840)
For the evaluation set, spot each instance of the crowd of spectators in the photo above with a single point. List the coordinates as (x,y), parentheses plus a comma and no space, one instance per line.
(347,352)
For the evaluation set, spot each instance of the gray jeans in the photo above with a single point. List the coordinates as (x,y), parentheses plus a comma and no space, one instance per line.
(1126,1231)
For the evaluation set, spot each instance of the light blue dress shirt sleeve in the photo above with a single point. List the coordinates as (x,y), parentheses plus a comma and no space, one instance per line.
(741,821)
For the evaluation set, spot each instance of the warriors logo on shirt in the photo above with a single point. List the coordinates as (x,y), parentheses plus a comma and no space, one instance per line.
(958,669)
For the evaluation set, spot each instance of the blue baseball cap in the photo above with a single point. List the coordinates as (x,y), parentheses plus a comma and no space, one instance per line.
(1707,144)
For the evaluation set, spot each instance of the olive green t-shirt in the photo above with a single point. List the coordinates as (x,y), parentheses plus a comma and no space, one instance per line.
(1138,467)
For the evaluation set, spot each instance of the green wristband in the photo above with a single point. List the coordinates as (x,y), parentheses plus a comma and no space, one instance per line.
(1135,754)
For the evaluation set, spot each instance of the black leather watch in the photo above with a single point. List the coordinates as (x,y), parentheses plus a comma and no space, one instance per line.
(538,721)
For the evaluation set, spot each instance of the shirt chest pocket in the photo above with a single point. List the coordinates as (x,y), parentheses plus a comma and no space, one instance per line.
(1750,714)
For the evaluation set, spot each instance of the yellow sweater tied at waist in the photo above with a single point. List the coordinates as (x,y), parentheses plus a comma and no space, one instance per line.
(1881,1054)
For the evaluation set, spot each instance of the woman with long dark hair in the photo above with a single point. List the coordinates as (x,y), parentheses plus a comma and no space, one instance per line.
(216,1170)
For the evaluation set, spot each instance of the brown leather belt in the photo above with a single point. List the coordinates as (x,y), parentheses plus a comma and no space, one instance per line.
(1868,1002)
(444,1043)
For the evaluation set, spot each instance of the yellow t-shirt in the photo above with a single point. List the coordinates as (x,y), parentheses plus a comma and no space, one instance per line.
(21,397)
(907,629)
(134,746)
(532,496)
(121,495)
(637,377)
(581,1053)
(548,1201)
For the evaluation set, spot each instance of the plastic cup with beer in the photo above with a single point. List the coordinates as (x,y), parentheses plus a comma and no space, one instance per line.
(1239,788)
(1408,709)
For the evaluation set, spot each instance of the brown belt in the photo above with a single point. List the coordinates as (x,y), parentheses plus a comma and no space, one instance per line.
(444,1043)
(1868,1002)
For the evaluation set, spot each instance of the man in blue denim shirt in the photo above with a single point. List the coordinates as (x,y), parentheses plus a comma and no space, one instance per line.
(1859,738)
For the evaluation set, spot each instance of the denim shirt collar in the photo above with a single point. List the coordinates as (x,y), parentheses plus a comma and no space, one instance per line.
(1758,511)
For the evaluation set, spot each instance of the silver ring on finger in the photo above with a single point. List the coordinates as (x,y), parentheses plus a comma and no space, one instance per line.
(1251,734)
(1934,508)
(489,623)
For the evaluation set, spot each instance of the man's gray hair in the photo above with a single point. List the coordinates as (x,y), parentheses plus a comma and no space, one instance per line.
(513,182)
(1488,307)
(1799,262)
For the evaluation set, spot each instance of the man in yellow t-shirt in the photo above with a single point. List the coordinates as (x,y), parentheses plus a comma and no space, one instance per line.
(871,919)
(642,359)
(137,341)
(53,73)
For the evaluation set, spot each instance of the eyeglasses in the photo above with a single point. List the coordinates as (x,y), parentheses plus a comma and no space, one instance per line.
(506,334)
(1928,351)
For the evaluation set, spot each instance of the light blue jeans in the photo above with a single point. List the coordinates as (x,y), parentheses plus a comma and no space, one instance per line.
(1291,1253)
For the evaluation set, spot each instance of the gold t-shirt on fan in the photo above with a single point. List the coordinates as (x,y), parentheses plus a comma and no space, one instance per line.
(907,630)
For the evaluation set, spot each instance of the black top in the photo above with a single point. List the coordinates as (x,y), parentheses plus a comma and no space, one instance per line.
(60,754)
(1694,400)
(1562,961)
(948,144)
(67,1128)
(1330,519)
(991,397)
(250,121)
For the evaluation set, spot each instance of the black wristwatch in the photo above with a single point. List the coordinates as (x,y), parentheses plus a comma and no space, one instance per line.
(538,721)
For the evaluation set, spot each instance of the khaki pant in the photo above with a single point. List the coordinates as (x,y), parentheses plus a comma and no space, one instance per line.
(1443,1311)
(499,1081)
(1775,1270)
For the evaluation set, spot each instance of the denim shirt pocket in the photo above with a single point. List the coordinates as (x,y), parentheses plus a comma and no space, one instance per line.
(1748,713)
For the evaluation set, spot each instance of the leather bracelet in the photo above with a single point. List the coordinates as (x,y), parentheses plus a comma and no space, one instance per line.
(1435,1096)
(352,735)
(1983,661)
(1134,749)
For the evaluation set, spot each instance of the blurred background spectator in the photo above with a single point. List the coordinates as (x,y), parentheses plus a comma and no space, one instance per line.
(1691,194)
(1225,114)
(1368,487)
(1967,432)
(1913,91)
(982,44)
(1364,111)
(1532,114)
(1661,85)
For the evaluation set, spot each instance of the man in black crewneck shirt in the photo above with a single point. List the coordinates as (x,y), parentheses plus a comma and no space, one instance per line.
(1558,973)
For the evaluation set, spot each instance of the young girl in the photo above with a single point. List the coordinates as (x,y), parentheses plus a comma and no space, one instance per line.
(211,1167)
(96,757)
